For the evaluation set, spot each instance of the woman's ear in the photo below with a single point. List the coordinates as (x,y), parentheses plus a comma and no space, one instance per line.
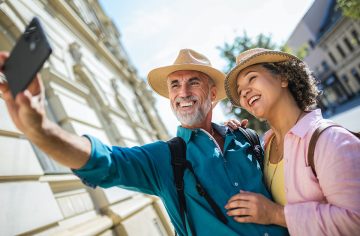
(284,83)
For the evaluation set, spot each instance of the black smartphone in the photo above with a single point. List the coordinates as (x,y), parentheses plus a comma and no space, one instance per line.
(27,57)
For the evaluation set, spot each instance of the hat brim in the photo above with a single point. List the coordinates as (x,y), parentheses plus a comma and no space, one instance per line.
(262,57)
(157,78)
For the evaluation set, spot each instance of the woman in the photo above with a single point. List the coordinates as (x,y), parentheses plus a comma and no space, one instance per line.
(279,88)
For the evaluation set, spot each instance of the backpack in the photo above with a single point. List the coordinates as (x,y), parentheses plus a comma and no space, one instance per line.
(179,164)
(315,136)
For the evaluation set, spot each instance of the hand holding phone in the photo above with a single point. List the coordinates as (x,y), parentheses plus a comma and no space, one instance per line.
(27,57)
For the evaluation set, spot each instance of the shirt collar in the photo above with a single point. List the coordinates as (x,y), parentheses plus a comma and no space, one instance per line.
(221,129)
(306,123)
(186,133)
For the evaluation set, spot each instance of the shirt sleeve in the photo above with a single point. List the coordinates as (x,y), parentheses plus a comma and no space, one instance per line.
(136,168)
(337,163)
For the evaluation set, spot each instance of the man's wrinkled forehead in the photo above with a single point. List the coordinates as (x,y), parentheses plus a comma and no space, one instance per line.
(186,75)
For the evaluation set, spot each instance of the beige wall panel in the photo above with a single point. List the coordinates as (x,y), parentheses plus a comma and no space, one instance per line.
(112,101)
(26,12)
(145,136)
(91,221)
(92,227)
(26,206)
(107,196)
(116,194)
(144,223)
(58,65)
(102,71)
(6,123)
(5,38)
(124,128)
(128,207)
(353,84)
(78,111)
(129,98)
(18,158)
(56,31)
(108,233)
(163,215)
(107,87)
(13,17)
(78,93)
(57,52)
(81,129)
(79,219)
(131,143)
(74,202)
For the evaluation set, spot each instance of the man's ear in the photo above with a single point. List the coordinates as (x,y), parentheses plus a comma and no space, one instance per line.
(213,92)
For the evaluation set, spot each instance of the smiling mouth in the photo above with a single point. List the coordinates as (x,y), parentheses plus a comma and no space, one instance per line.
(186,104)
(253,99)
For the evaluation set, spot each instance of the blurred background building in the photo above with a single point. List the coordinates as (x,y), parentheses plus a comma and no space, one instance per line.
(331,45)
(91,87)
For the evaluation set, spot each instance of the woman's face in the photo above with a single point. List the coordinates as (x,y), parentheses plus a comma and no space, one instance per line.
(259,90)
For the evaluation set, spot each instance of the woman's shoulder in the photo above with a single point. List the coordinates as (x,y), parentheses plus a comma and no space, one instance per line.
(335,140)
(332,132)
(267,137)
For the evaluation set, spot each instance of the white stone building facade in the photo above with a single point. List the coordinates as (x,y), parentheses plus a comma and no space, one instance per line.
(90,88)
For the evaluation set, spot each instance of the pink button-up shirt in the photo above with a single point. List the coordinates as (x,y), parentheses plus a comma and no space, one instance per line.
(330,203)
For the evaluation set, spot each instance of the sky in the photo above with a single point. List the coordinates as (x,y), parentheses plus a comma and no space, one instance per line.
(153,31)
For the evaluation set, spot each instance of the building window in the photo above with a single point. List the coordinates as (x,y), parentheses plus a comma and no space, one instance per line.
(312,44)
(340,50)
(325,65)
(333,59)
(356,75)
(330,81)
(345,79)
(348,44)
(356,36)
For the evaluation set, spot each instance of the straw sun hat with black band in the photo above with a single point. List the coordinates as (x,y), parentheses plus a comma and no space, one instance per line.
(186,60)
(249,58)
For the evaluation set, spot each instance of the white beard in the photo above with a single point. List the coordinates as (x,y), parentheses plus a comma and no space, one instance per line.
(197,115)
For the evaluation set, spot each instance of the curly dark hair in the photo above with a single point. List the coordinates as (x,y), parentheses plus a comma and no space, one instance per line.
(302,84)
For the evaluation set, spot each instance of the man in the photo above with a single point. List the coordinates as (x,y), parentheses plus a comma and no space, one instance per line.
(218,156)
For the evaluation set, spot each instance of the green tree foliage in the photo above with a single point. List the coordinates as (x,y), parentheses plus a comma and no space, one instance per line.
(350,8)
(229,51)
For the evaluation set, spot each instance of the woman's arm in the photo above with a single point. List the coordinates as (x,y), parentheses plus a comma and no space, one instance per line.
(337,164)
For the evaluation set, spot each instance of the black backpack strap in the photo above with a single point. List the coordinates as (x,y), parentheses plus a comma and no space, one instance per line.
(256,149)
(178,161)
(312,144)
(202,192)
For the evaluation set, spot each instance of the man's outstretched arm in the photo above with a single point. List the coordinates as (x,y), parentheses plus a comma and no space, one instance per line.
(27,111)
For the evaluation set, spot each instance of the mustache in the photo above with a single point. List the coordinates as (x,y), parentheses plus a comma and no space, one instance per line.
(185,99)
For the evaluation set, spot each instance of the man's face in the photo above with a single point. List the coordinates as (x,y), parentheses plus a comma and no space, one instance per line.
(190,96)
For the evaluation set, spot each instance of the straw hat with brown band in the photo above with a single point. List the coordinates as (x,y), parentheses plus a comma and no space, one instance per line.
(249,58)
(187,59)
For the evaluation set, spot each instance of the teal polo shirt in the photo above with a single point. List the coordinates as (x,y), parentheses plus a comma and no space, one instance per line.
(148,169)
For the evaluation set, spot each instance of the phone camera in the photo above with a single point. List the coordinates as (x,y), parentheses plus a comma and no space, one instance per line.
(32,46)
